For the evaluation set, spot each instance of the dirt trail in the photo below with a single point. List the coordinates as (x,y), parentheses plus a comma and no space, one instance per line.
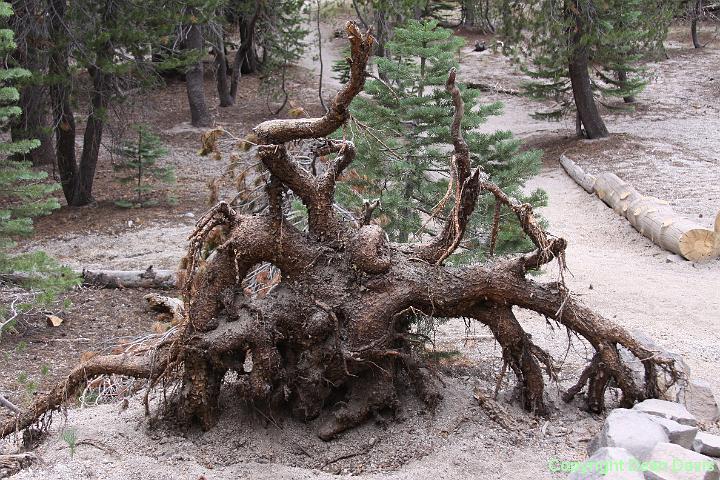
(670,149)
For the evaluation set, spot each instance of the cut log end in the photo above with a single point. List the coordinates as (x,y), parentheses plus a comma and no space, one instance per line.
(699,244)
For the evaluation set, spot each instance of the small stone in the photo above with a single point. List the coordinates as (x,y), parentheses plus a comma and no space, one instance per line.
(679,434)
(707,444)
(672,462)
(610,463)
(189,215)
(631,430)
(372,441)
(663,408)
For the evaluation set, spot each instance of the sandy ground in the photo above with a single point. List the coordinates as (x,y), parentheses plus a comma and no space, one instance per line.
(669,148)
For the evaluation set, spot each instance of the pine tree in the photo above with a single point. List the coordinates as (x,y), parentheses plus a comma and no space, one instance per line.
(281,32)
(402,134)
(24,193)
(139,166)
(576,48)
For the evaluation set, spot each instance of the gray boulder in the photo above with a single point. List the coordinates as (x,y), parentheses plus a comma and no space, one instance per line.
(672,462)
(699,399)
(679,434)
(609,463)
(631,430)
(707,444)
(665,409)
(669,389)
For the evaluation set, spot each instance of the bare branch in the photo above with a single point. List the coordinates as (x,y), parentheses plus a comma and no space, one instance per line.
(285,130)
(466,186)
(139,366)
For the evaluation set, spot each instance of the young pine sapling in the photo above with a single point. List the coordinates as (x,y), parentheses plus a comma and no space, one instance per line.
(139,168)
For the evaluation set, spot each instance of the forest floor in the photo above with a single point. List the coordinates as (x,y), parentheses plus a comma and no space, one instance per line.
(669,147)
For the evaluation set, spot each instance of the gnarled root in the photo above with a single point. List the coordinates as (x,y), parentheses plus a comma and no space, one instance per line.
(145,364)
(519,353)
(329,340)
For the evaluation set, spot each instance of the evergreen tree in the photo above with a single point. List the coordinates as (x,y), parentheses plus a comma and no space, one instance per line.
(139,166)
(281,34)
(574,48)
(24,194)
(402,133)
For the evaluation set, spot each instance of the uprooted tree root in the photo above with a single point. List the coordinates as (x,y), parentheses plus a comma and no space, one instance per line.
(331,339)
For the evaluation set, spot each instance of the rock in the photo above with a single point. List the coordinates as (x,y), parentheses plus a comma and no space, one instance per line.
(679,434)
(668,389)
(663,408)
(707,444)
(631,430)
(699,399)
(611,463)
(672,462)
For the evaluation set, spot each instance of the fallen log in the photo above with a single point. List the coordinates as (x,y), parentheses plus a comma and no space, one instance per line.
(12,464)
(652,217)
(484,87)
(174,308)
(8,404)
(150,278)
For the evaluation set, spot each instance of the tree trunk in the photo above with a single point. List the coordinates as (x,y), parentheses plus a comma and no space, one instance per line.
(221,72)
(34,124)
(31,36)
(622,78)
(102,92)
(63,115)
(697,10)
(195,80)
(470,8)
(93,137)
(246,60)
(587,110)
(250,62)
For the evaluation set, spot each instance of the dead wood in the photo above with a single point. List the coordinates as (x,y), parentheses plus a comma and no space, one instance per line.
(330,341)
(485,87)
(652,217)
(149,278)
(8,404)
(12,464)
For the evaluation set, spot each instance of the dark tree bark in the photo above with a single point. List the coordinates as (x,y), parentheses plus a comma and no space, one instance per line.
(34,124)
(587,111)
(31,37)
(101,95)
(195,80)
(330,341)
(222,72)
(246,60)
(63,115)
(77,179)
(622,78)
(696,13)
